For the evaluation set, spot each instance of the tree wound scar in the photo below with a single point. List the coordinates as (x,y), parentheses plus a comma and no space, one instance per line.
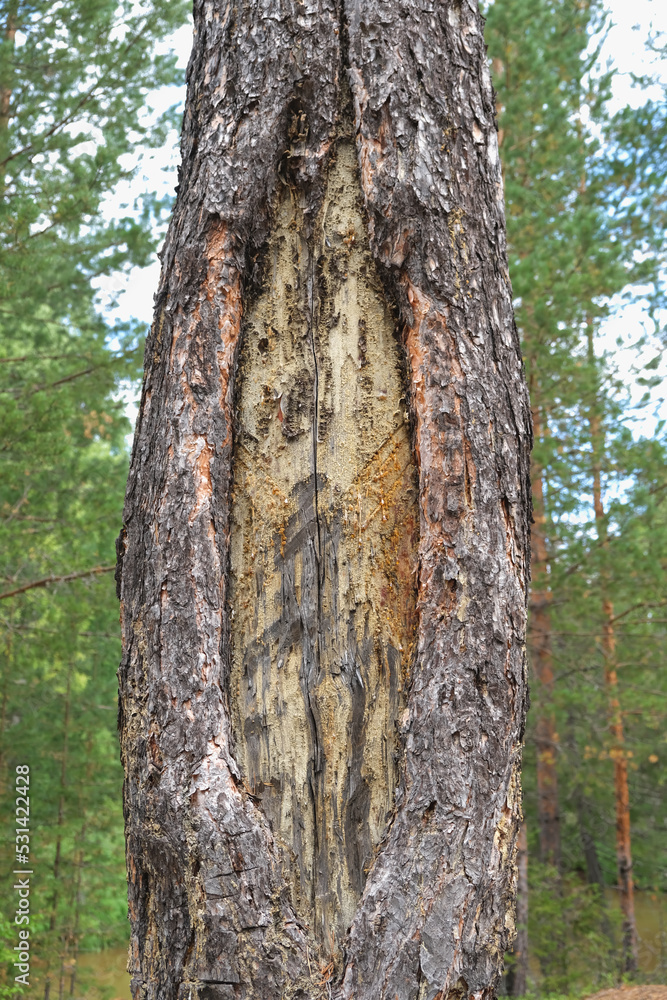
(324,543)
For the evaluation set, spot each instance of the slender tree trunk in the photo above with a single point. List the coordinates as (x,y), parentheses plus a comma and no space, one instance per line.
(593,868)
(75,909)
(517,977)
(61,803)
(622,797)
(6,82)
(59,836)
(594,873)
(548,812)
(618,752)
(4,699)
(323,564)
(79,862)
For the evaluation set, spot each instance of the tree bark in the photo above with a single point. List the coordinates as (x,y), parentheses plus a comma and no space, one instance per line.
(322,756)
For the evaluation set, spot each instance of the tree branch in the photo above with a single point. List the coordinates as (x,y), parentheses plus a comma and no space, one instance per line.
(57,579)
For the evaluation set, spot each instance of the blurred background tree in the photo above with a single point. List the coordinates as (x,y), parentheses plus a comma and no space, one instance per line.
(585,193)
(74,80)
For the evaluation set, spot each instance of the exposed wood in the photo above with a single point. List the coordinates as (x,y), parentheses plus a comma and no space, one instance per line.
(325,529)
(215,908)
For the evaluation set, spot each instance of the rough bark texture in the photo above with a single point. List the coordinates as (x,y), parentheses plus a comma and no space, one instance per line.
(214,910)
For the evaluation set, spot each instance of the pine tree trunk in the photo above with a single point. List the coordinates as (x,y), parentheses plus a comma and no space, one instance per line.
(6,81)
(548,812)
(618,752)
(594,874)
(621,794)
(323,563)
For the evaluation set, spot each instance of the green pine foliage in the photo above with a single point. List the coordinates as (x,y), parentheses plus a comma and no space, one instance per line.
(74,79)
(572,934)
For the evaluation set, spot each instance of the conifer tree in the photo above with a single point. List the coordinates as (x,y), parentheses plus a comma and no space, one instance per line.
(608,645)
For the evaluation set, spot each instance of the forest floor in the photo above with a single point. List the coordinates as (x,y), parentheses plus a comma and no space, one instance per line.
(632,993)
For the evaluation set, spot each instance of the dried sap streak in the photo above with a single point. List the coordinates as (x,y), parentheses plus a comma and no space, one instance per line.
(323,552)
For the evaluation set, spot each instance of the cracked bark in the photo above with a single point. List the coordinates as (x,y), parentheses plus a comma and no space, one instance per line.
(232,893)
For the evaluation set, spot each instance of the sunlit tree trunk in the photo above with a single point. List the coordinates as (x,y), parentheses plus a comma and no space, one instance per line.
(323,564)
(621,793)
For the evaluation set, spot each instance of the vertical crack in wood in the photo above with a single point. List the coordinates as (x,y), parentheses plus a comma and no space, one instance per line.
(319,562)
(316,402)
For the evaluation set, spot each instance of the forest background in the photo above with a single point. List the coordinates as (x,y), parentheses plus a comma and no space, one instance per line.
(586,192)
